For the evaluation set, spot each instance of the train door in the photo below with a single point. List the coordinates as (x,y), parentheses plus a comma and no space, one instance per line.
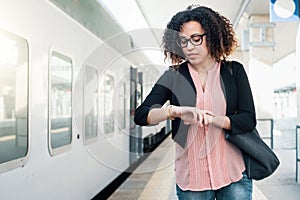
(139,102)
(135,141)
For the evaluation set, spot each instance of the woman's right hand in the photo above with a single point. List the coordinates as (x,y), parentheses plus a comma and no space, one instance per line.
(191,115)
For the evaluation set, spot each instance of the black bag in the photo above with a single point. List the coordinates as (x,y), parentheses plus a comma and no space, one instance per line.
(260,160)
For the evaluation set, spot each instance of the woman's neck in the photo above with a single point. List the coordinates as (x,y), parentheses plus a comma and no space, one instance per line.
(204,66)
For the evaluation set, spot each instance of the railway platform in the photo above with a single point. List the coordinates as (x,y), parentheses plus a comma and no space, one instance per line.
(154,178)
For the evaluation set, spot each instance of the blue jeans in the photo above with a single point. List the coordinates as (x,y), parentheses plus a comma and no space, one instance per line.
(241,190)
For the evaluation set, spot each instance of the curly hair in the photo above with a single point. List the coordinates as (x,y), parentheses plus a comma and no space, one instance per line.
(220,38)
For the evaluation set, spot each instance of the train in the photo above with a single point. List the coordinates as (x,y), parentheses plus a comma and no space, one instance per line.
(70,81)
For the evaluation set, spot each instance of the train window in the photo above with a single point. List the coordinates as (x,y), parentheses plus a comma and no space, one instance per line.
(60,103)
(13,101)
(133,103)
(90,103)
(107,103)
(121,108)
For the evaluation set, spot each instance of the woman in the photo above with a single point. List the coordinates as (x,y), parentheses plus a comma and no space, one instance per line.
(206,100)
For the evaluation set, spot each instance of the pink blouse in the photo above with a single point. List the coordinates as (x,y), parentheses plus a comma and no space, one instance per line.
(208,162)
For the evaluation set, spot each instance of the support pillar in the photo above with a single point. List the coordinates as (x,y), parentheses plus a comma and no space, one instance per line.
(261,38)
(261,49)
(298,107)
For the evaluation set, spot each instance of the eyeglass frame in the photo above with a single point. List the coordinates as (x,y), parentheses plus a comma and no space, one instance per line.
(178,41)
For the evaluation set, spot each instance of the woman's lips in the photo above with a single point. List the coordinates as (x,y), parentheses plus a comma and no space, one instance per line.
(192,55)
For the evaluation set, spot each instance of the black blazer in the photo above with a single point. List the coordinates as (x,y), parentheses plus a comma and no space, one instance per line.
(178,87)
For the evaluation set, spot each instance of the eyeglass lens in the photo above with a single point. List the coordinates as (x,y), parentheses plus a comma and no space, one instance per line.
(196,40)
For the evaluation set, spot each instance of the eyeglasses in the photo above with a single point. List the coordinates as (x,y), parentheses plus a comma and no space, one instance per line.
(195,39)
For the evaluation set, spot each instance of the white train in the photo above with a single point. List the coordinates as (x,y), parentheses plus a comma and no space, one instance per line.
(68,89)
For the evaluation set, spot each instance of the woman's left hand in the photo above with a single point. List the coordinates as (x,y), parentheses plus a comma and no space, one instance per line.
(192,115)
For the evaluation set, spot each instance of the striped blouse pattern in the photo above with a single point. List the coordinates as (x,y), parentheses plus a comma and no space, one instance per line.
(208,162)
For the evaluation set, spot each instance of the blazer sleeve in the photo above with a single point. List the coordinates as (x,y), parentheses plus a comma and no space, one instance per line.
(160,93)
(244,118)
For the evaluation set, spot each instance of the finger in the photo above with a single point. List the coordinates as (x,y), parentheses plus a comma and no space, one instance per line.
(200,118)
(195,115)
(205,119)
(209,113)
(200,124)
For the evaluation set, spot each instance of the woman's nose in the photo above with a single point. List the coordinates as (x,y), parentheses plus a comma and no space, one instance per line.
(190,45)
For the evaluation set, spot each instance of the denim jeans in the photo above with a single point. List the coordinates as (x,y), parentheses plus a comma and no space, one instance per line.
(241,190)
